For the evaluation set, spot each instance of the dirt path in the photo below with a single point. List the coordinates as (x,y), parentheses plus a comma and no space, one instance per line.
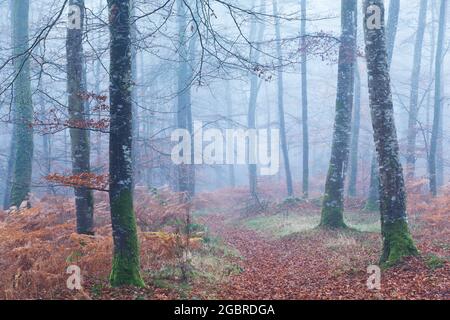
(308,267)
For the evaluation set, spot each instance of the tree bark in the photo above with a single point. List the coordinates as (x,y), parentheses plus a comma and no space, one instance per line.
(126,261)
(229,103)
(391,33)
(23,106)
(414,97)
(284,143)
(79,140)
(397,241)
(333,203)
(186,172)
(355,136)
(305,129)
(438,101)
(254,80)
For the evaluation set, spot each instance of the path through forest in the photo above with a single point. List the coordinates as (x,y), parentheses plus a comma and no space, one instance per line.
(317,265)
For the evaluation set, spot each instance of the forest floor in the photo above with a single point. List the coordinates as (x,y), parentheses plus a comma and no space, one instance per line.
(287,257)
(235,253)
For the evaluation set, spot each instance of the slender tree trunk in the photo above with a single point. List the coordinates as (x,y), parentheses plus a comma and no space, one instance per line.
(186,172)
(333,203)
(190,121)
(284,143)
(254,80)
(414,97)
(391,33)
(23,106)
(126,261)
(84,201)
(397,241)
(12,145)
(391,28)
(229,102)
(305,130)
(355,136)
(438,101)
(134,98)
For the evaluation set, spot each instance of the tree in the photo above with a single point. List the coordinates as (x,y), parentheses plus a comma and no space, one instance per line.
(229,106)
(186,173)
(79,139)
(126,261)
(284,143)
(372,202)
(23,106)
(333,202)
(397,241)
(305,130)
(438,101)
(355,136)
(254,90)
(414,97)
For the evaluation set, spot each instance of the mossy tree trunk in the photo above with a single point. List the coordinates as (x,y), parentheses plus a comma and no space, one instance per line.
(333,203)
(126,262)
(79,138)
(372,203)
(23,106)
(397,241)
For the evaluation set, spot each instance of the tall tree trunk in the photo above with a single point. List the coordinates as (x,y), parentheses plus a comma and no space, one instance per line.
(134,98)
(23,106)
(391,33)
(305,130)
(438,101)
(414,97)
(284,143)
(391,28)
(126,261)
(254,86)
(355,136)
(12,145)
(79,140)
(397,241)
(186,172)
(229,103)
(333,203)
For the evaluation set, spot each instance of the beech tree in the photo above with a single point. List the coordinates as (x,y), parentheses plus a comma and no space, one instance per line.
(280,93)
(373,199)
(304,76)
(353,168)
(126,261)
(414,96)
(79,138)
(438,101)
(256,33)
(333,204)
(397,241)
(23,107)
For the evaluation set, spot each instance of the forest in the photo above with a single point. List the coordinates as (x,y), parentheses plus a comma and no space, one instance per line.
(224,150)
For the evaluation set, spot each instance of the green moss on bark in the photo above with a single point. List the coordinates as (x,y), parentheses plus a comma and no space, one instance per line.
(332,216)
(126,261)
(397,243)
